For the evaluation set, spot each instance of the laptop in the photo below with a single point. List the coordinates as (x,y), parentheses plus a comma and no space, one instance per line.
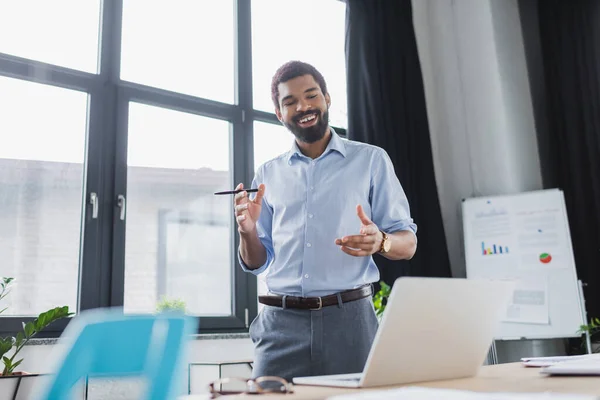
(432,329)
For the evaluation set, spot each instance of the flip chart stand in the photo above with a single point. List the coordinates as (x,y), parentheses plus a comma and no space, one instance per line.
(588,340)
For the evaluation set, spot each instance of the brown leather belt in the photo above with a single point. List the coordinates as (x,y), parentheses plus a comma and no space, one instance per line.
(316,303)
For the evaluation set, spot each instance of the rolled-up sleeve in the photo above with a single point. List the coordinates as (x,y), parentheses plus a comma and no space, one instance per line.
(390,210)
(263,227)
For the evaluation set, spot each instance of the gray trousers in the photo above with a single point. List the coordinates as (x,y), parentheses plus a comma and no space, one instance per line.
(334,340)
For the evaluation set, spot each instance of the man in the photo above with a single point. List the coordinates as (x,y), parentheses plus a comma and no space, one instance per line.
(322,210)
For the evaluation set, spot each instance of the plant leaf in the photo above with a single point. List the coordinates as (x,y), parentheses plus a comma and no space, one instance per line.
(48,317)
(5,345)
(29,329)
(41,319)
(20,338)
(16,364)
(6,282)
(7,365)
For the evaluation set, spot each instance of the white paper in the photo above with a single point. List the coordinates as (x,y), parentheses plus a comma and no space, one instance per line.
(581,366)
(542,241)
(506,240)
(491,221)
(529,303)
(547,361)
(421,393)
(525,238)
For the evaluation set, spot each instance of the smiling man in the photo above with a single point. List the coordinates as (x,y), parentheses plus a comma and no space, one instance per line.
(322,210)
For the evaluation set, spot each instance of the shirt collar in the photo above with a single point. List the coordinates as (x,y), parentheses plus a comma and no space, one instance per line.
(335,144)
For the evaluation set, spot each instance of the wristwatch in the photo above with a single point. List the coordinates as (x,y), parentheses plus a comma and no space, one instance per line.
(385,243)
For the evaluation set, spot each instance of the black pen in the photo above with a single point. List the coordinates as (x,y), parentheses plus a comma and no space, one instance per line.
(238,191)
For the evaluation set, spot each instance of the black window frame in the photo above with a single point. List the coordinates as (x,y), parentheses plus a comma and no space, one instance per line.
(102,257)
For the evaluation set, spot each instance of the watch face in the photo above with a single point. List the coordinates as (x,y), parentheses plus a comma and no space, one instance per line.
(386,245)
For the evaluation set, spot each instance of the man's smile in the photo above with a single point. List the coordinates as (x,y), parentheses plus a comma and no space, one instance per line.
(308,120)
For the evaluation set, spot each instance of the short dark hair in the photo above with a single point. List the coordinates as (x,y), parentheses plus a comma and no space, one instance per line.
(291,70)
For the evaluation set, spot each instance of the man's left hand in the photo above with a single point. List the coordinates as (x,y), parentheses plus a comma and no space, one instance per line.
(365,244)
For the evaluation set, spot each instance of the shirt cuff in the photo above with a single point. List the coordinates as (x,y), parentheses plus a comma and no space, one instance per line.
(256,271)
(409,228)
(414,234)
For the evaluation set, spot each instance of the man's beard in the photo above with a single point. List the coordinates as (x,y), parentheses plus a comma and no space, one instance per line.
(312,133)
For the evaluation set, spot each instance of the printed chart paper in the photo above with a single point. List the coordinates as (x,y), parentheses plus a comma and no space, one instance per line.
(520,242)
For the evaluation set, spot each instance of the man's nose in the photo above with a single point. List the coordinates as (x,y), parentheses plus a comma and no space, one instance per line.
(303,106)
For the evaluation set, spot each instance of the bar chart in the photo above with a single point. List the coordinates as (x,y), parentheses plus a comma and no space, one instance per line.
(493,249)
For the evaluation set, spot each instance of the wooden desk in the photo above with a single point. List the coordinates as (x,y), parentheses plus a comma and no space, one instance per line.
(510,377)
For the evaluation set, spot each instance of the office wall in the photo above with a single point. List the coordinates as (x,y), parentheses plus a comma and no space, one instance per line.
(479,105)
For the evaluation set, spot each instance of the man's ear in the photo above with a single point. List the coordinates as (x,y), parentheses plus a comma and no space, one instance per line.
(328,100)
(278,113)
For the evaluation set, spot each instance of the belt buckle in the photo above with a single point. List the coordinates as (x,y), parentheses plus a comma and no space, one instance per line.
(320,305)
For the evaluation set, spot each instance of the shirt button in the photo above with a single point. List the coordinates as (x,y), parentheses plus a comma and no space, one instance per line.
(308,244)
(312,188)
(306,276)
(310,215)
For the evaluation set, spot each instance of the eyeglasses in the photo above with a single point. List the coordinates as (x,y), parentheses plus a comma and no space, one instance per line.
(263,384)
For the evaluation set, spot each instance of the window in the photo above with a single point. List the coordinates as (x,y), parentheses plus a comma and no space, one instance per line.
(270,141)
(185,47)
(315,34)
(120,119)
(63,33)
(179,235)
(41,186)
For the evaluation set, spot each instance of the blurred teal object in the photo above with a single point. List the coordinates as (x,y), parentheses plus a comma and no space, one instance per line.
(107,343)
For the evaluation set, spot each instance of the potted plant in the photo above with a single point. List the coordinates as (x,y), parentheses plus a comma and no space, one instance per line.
(380,299)
(11,379)
(5,286)
(593,328)
(170,305)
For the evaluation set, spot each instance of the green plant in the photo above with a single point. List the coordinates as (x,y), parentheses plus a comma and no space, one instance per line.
(30,329)
(170,305)
(593,328)
(5,289)
(380,298)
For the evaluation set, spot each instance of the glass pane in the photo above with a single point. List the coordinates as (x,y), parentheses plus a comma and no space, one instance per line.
(187,48)
(316,35)
(43,132)
(63,33)
(178,236)
(270,140)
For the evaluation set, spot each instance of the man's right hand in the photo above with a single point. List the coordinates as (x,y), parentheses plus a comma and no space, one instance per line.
(247,211)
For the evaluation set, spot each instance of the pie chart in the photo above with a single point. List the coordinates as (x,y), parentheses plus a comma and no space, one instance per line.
(545,258)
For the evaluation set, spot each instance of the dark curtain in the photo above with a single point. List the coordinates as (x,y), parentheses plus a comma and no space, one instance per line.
(562,41)
(386,107)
